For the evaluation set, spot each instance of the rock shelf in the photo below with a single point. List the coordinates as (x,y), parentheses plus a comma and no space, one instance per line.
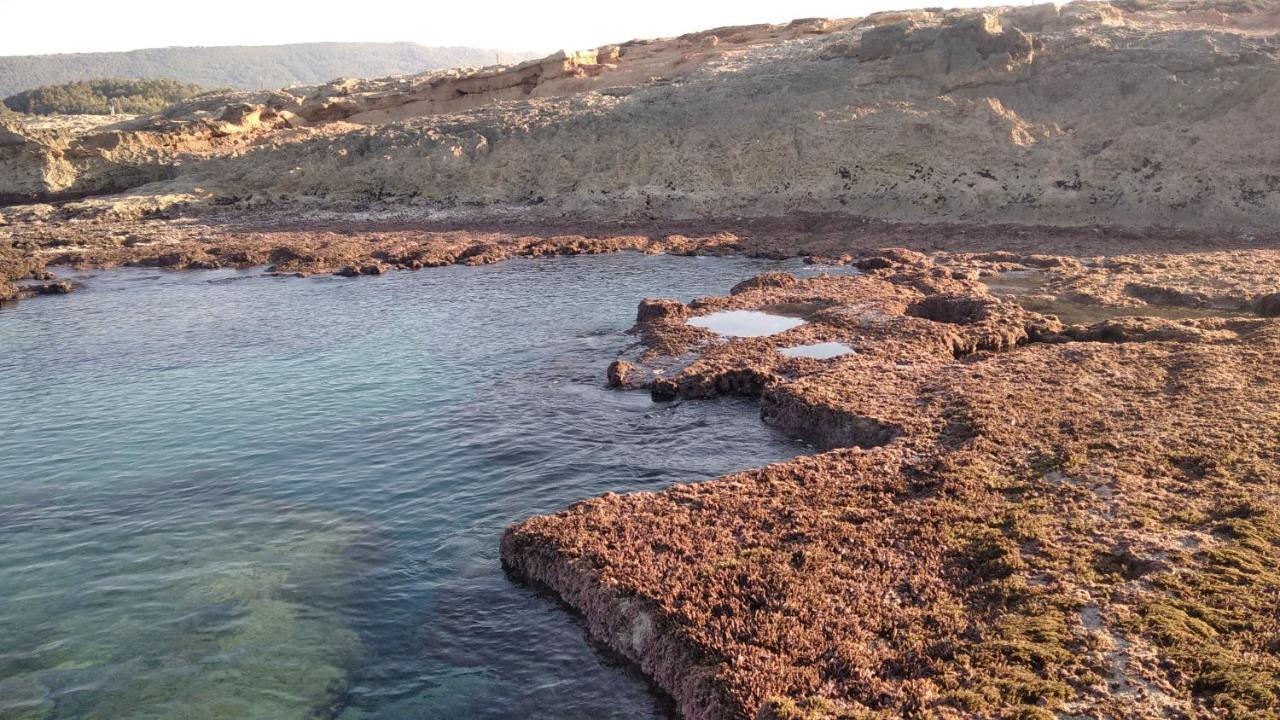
(1015,518)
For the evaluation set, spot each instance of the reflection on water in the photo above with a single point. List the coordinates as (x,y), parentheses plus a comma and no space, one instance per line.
(817,351)
(282,498)
(745,323)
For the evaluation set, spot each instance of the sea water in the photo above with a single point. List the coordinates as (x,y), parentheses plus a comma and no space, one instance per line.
(229,495)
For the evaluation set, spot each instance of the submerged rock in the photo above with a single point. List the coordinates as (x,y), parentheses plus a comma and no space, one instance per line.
(231,622)
(620,373)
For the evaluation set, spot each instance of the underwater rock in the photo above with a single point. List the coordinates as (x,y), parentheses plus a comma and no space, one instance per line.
(229,623)
(620,373)
(23,697)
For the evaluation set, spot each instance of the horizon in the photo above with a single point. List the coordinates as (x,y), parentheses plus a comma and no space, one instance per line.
(523,28)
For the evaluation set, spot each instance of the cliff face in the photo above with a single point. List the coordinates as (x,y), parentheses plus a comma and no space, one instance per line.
(1089,113)
(246,67)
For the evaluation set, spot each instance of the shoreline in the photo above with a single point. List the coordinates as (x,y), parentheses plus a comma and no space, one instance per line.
(360,245)
(960,543)
(1011,529)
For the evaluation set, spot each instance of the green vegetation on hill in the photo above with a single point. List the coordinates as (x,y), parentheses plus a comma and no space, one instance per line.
(102,97)
(243,67)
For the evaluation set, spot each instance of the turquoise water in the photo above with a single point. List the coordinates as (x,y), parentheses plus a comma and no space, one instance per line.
(225,495)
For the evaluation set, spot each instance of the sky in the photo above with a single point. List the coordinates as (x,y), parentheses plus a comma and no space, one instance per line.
(62,26)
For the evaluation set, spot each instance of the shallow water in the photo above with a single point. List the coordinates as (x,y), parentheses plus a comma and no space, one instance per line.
(1029,287)
(745,323)
(817,351)
(230,495)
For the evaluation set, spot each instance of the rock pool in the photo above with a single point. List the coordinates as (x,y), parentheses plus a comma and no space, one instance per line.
(745,323)
(817,351)
(232,495)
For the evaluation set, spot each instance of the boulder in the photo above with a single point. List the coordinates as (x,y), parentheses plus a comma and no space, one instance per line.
(620,372)
(658,309)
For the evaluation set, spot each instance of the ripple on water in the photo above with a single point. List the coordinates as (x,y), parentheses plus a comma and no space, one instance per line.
(281,497)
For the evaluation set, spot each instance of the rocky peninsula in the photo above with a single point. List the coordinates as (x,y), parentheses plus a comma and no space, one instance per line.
(1044,481)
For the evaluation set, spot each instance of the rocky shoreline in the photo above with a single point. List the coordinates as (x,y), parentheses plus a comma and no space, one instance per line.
(1063,520)
(1008,513)
(1046,478)
(373,243)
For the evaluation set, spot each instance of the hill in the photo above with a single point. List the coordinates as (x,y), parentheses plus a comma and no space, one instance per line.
(103,97)
(1007,115)
(241,67)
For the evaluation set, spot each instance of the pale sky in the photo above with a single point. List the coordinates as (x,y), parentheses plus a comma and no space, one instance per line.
(58,26)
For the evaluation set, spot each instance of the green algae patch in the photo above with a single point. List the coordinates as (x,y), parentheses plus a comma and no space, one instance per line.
(1028,656)
(1217,622)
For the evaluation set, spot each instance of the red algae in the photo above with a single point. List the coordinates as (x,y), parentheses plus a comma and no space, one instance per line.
(1009,514)
(1015,518)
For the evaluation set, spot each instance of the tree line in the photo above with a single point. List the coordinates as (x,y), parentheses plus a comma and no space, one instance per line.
(103,97)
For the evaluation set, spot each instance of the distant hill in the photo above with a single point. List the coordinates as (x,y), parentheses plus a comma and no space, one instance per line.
(241,67)
(103,97)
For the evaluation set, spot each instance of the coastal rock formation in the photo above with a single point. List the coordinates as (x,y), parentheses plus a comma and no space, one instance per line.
(961,46)
(1017,518)
(1120,114)
(1045,477)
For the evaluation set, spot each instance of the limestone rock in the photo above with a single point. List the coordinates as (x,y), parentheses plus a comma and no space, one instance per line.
(657,309)
(765,280)
(966,44)
(1115,114)
(620,372)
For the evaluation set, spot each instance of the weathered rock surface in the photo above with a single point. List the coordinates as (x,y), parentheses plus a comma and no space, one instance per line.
(1012,522)
(1121,114)
(1049,477)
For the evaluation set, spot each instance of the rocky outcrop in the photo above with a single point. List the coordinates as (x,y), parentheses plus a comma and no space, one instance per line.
(658,309)
(962,47)
(1123,115)
(931,562)
(30,164)
(764,280)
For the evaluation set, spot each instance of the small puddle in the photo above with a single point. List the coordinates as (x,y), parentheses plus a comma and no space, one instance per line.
(745,323)
(818,351)
(1028,289)
(1017,282)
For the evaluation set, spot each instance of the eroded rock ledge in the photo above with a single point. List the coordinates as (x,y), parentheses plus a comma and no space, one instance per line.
(1068,520)
(1114,113)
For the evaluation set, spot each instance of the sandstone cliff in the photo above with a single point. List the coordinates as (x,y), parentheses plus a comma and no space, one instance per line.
(1128,114)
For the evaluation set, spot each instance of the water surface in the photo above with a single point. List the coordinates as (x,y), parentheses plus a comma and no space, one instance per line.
(1030,289)
(229,495)
(817,351)
(745,323)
